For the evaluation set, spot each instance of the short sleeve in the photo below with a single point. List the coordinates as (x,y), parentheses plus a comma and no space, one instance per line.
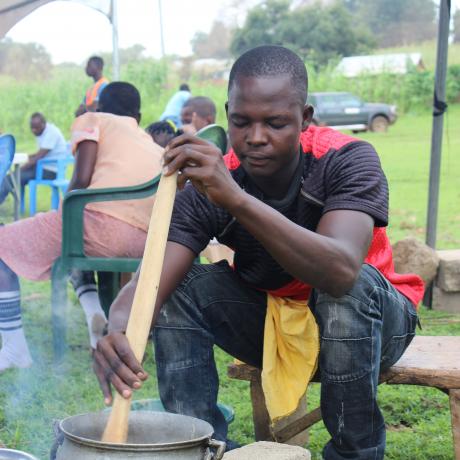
(355,181)
(195,220)
(86,127)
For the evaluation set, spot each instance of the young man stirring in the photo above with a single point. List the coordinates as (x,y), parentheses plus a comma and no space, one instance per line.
(304,208)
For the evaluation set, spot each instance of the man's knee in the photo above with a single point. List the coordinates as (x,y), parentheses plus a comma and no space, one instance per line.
(356,302)
(347,329)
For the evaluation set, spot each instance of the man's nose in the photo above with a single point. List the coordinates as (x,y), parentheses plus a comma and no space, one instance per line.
(257,135)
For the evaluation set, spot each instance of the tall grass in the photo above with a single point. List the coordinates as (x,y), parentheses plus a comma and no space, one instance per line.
(59,96)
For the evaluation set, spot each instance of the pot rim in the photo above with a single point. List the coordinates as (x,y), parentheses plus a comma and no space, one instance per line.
(24,455)
(136,447)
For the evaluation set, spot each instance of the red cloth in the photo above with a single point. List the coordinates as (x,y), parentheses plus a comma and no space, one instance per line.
(318,141)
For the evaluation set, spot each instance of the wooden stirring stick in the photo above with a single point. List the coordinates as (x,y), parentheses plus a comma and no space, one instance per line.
(140,318)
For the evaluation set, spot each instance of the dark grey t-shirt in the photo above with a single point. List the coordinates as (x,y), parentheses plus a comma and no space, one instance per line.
(349,177)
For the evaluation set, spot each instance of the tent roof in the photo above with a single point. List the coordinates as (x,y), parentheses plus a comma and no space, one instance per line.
(12,11)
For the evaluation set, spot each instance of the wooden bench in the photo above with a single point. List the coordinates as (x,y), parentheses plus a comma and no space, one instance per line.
(428,361)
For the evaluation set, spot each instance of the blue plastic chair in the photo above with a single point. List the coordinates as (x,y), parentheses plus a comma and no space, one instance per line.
(58,185)
(7,149)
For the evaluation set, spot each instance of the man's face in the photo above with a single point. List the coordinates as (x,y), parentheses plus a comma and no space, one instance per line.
(91,68)
(37,126)
(199,122)
(265,119)
(186,115)
(162,138)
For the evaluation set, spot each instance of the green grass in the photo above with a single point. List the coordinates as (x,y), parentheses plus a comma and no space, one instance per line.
(418,419)
(405,154)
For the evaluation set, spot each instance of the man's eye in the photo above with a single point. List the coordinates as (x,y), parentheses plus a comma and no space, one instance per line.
(277,125)
(239,123)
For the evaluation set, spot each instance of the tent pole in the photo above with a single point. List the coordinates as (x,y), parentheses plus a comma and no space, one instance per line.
(162,39)
(439,107)
(115,52)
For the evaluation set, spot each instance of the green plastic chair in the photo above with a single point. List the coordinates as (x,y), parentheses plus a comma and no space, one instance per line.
(74,257)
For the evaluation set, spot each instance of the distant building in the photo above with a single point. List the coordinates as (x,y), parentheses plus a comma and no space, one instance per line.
(380,63)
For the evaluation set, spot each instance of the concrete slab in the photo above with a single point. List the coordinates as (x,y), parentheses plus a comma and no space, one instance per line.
(264,450)
(448,278)
(446,301)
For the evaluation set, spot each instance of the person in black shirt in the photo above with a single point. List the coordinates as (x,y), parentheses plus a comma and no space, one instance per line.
(305,222)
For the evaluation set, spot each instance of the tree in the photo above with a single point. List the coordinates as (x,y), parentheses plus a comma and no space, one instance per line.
(318,33)
(24,60)
(396,22)
(216,44)
(262,26)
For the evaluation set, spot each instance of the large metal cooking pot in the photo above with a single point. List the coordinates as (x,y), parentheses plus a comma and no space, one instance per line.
(10,454)
(152,435)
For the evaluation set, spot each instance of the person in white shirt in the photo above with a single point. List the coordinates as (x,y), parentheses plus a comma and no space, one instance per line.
(51,144)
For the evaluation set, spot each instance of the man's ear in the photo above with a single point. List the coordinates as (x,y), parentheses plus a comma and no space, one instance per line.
(307,116)
(226,109)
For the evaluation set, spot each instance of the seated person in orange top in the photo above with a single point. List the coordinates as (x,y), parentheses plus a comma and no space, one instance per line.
(94,69)
(110,150)
(197,112)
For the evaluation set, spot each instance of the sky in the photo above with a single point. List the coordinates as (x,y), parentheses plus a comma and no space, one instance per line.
(72,32)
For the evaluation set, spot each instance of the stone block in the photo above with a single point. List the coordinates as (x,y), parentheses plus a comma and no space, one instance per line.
(446,301)
(448,278)
(410,255)
(264,450)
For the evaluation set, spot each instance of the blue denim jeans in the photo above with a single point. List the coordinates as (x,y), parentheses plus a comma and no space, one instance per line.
(363,332)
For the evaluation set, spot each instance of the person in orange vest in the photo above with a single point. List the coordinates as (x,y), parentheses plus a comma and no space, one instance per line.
(94,69)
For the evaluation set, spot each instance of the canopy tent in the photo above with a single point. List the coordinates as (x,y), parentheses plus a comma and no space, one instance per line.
(12,11)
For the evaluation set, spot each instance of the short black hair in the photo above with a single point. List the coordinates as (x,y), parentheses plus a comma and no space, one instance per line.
(98,61)
(120,98)
(161,127)
(184,87)
(202,105)
(38,115)
(271,61)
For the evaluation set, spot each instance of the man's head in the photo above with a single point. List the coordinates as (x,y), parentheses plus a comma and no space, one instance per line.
(199,110)
(94,66)
(120,98)
(162,132)
(184,87)
(267,109)
(37,123)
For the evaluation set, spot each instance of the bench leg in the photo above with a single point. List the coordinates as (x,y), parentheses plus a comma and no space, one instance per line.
(260,415)
(454,398)
(59,278)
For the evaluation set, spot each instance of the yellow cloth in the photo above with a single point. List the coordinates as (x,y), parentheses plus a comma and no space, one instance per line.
(290,357)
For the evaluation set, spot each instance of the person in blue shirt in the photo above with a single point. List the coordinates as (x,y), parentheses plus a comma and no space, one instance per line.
(51,145)
(175,104)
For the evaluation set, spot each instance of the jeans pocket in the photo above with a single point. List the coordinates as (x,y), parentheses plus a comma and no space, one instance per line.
(395,348)
(345,360)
